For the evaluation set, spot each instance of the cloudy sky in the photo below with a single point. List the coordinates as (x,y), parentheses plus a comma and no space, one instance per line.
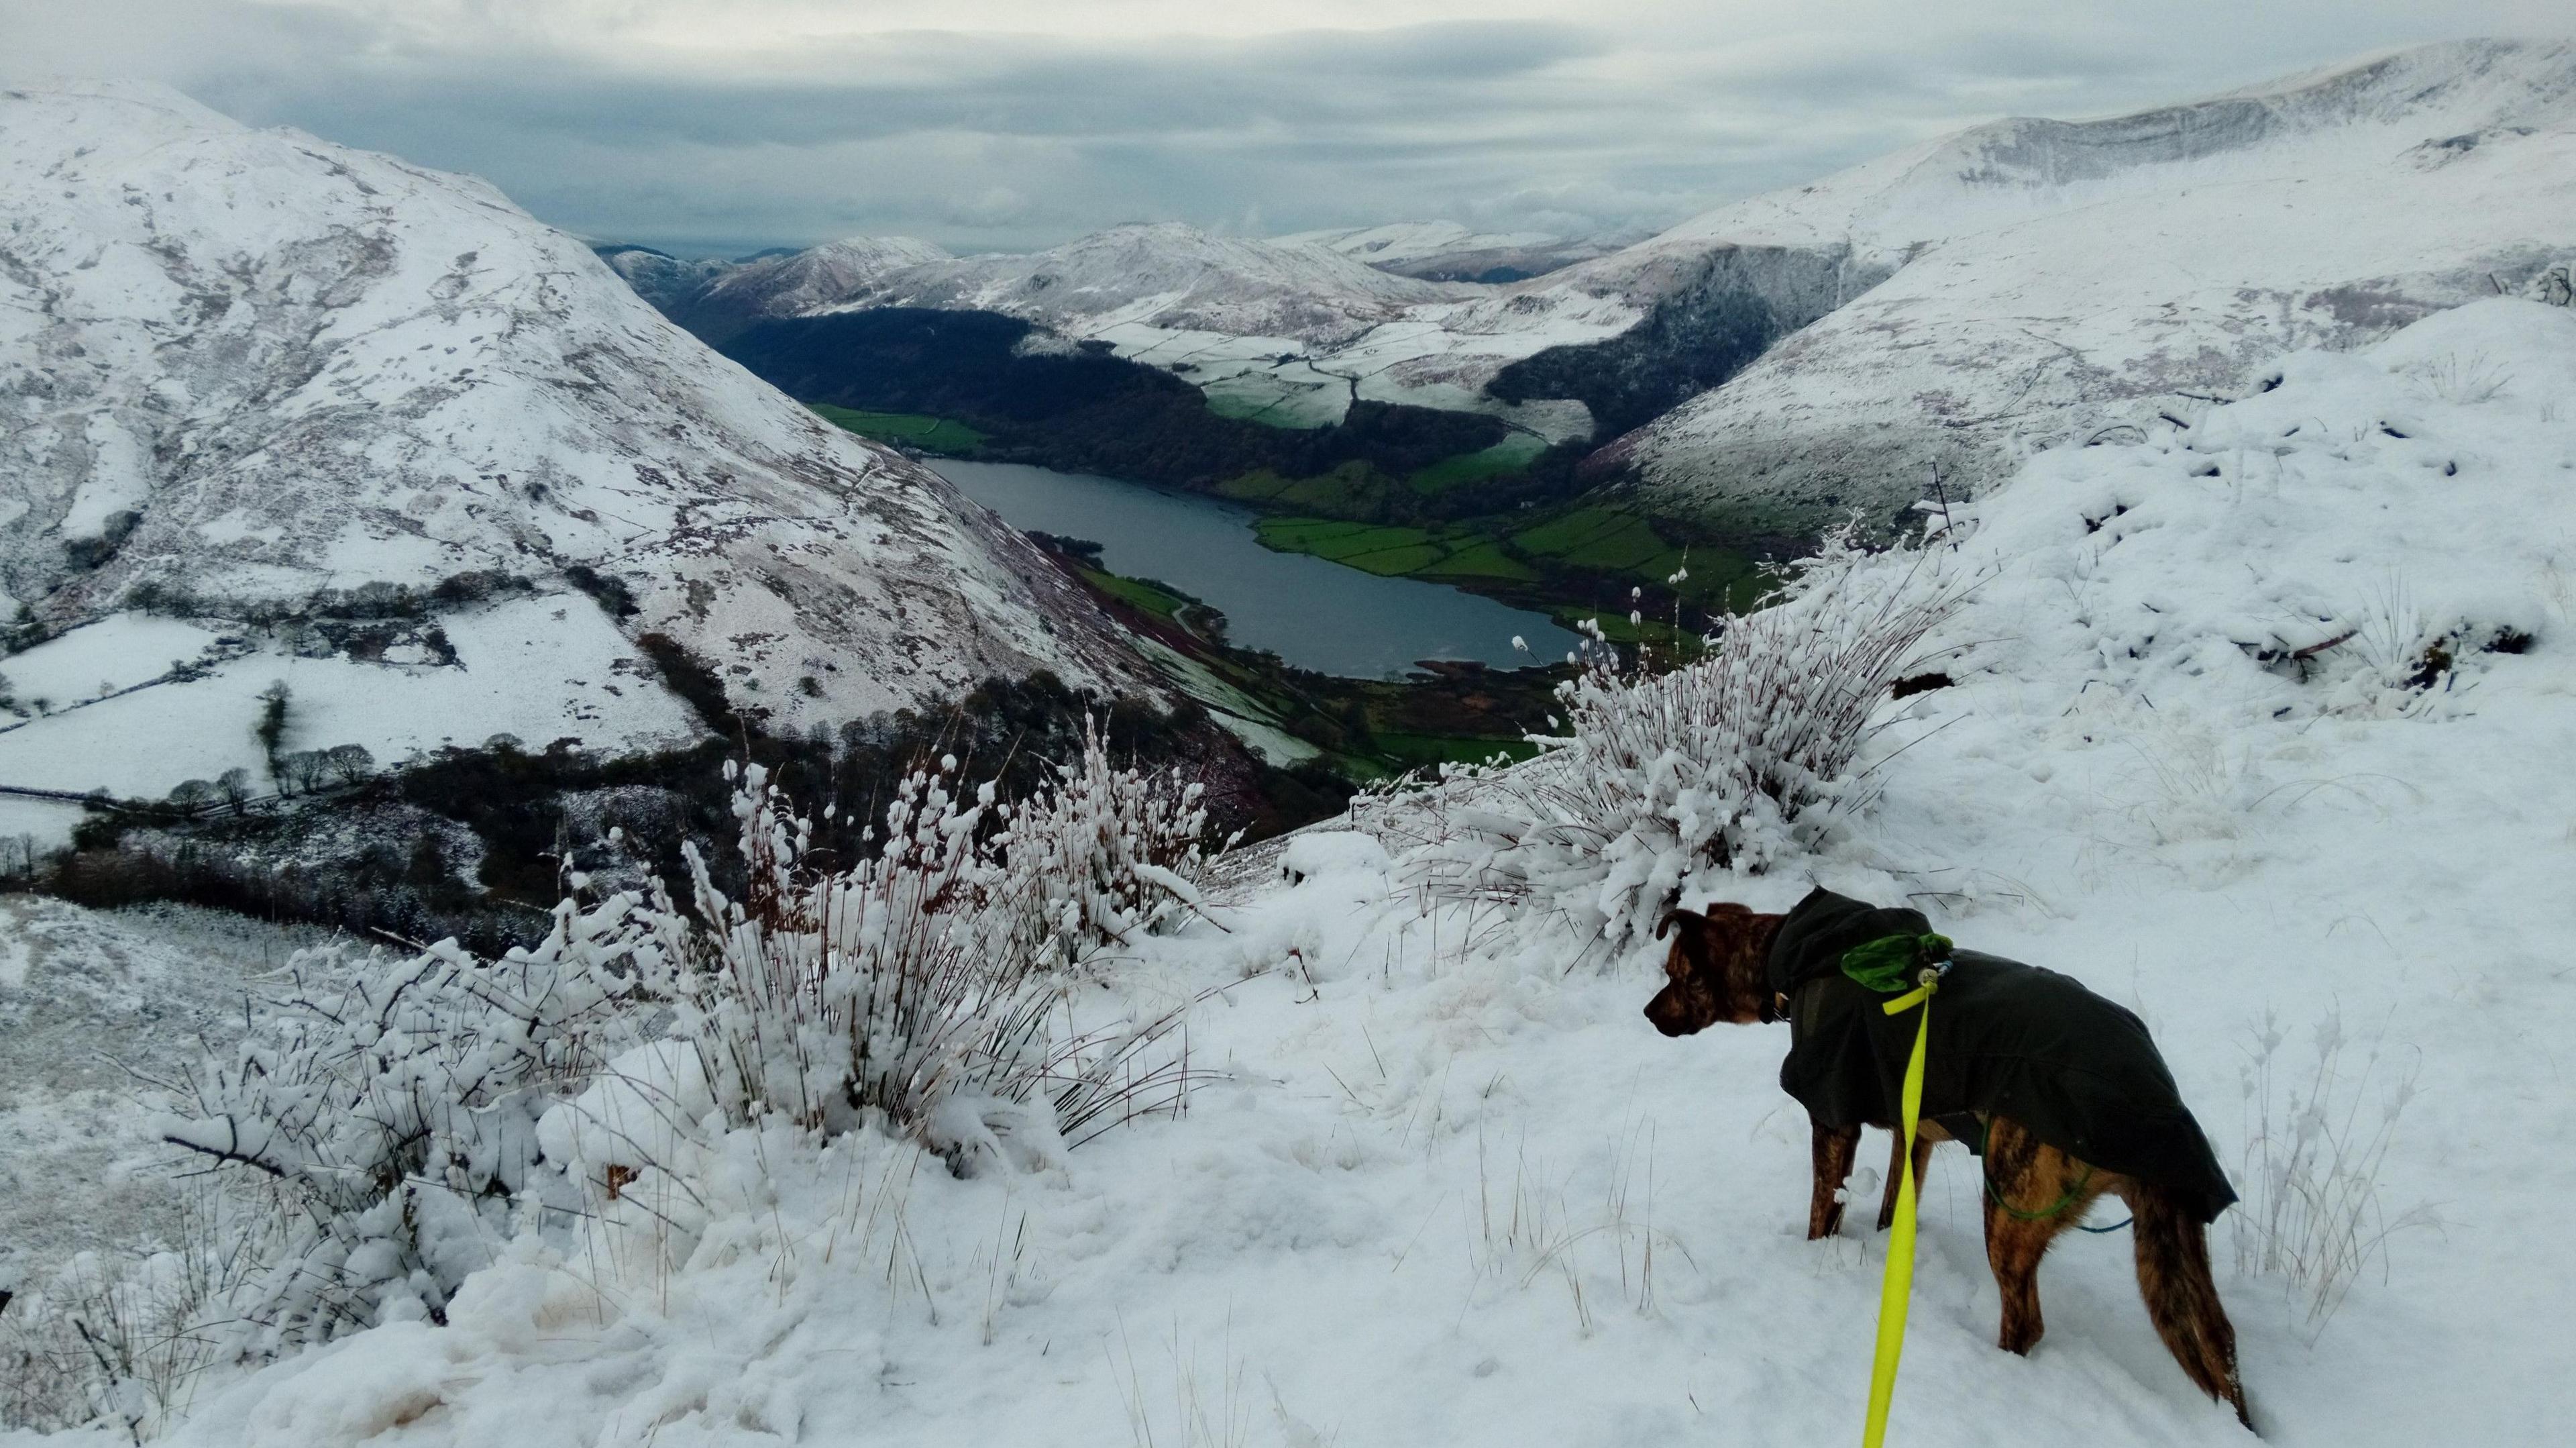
(724,125)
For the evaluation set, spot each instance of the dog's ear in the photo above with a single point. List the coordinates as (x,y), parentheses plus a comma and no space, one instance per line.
(1678,913)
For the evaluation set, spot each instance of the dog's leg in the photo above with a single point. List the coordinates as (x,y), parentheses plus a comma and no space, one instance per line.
(2033,1191)
(1923,1140)
(2182,1300)
(1834,1148)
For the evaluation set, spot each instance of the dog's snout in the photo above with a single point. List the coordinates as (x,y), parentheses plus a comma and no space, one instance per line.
(1667,1020)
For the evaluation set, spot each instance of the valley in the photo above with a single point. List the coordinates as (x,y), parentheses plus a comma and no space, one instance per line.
(1399,491)
(1057,834)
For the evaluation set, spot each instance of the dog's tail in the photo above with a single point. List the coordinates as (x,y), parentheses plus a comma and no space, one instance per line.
(2182,1300)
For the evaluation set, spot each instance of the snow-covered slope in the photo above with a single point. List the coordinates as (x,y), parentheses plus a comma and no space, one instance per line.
(2049,279)
(247,376)
(1447,251)
(1290,328)
(1165,276)
(716,299)
(661,278)
(1448,1186)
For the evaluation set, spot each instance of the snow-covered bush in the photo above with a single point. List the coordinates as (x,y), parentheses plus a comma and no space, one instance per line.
(386,1112)
(1726,762)
(1106,853)
(901,987)
(123,1338)
(2311,1214)
(389,1117)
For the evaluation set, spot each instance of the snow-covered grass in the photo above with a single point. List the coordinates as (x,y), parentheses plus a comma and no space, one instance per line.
(382,1116)
(2315,1143)
(125,1337)
(1417,1204)
(916,989)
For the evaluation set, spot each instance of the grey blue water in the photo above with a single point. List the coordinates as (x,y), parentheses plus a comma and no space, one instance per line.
(1314,614)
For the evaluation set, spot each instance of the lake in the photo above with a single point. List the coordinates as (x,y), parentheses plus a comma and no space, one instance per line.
(1314,614)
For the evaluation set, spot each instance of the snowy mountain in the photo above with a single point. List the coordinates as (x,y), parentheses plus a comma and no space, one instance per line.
(1963,302)
(718,298)
(2049,280)
(1166,278)
(278,409)
(1447,251)
(661,278)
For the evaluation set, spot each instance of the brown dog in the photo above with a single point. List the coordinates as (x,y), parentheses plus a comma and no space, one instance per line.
(1720,969)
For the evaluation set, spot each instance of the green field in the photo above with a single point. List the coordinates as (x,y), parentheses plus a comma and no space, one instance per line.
(1605,539)
(1353,489)
(1596,540)
(930,434)
(1135,591)
(1609,540)
(1482,558)
(1508,456)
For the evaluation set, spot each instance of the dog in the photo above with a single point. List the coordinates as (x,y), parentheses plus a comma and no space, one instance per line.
(1721,967)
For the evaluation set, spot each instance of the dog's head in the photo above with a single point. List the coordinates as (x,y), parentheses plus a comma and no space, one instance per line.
(1715,971)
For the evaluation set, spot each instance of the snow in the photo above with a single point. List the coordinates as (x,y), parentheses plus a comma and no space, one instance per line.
(84,998)
(1413,240)
(1319,852)
(540,669)
(105,657)
(1450,1186)
(282,368)
(2050,278)
(1436,249)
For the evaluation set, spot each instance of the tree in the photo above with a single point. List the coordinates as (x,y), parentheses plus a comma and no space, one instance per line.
(271,728)
(196,795)
(234,785)
(302,772)
(350,763)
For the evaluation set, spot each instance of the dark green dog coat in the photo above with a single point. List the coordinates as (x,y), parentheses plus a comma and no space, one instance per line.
(2007,1040)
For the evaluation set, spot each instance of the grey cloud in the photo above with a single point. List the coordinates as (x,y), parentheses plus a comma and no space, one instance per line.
(982,141)
(922,81)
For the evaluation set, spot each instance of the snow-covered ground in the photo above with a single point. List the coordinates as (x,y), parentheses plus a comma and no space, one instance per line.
(89,1002)
(539,669)
(1452,1187)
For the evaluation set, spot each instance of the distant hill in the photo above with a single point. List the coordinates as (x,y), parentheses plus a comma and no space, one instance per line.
(1763,367)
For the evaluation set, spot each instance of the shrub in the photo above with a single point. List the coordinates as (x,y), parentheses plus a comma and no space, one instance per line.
(381,1124)
(349,763)
(1106,853)
(1725,762)
(123,1337)
(895,989)
(386,1112)
(299,772)
(274,701)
